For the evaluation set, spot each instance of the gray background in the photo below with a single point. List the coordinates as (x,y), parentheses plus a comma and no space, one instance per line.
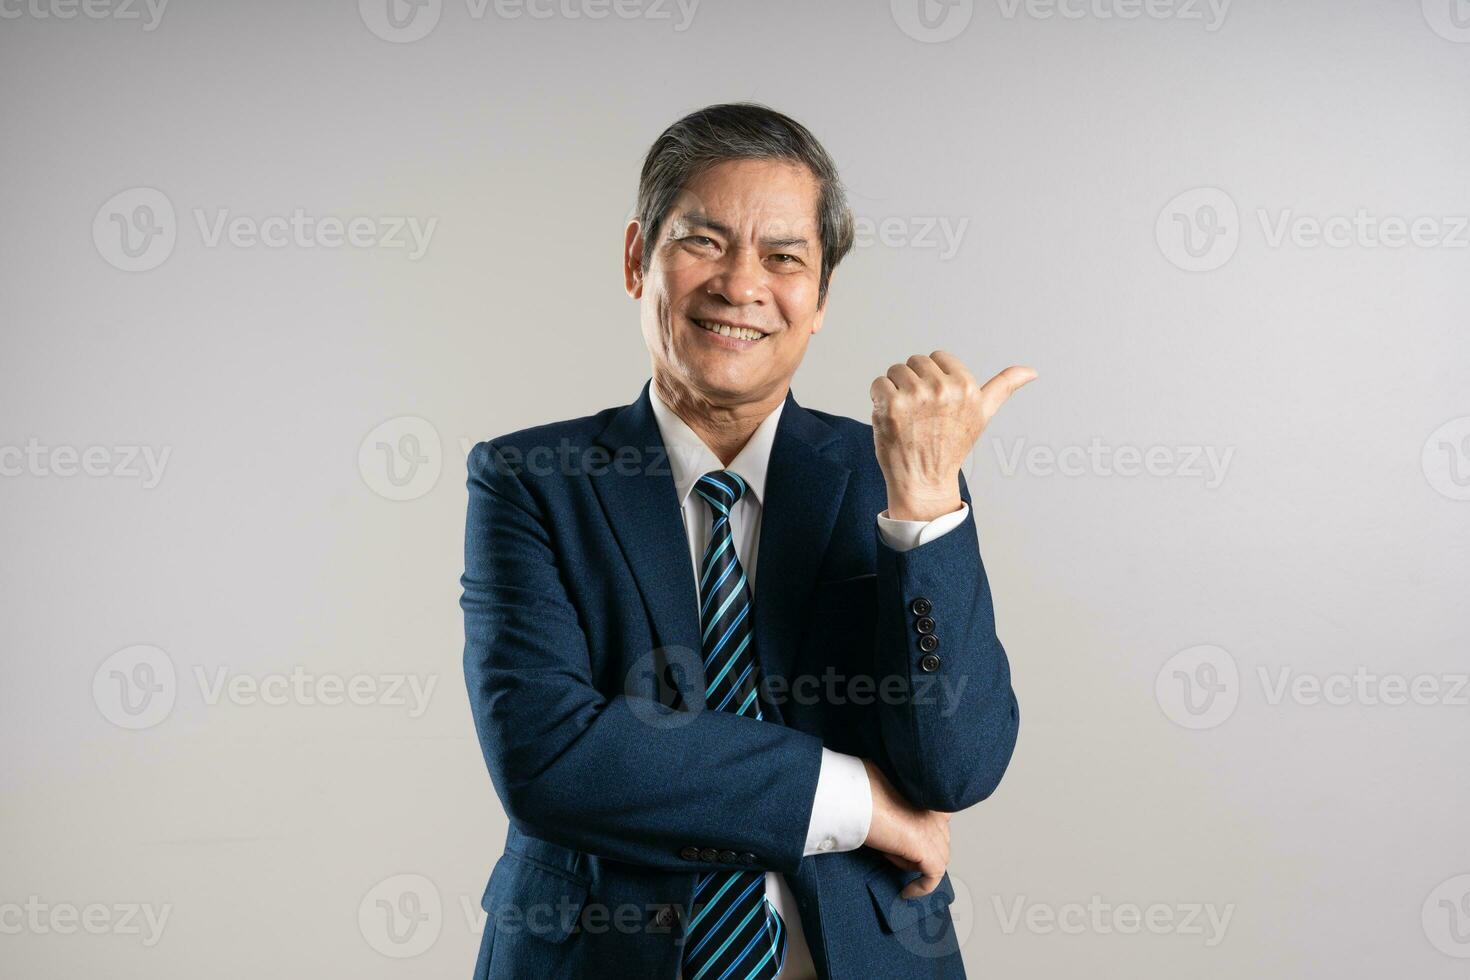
(1150,618)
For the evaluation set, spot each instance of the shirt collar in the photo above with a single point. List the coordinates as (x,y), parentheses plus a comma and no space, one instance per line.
(690,458)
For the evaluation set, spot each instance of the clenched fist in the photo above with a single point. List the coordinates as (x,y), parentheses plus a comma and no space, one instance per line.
(927,414)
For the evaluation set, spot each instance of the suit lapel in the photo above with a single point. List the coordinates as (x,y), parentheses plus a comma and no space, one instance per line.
(805,482)
(642,506)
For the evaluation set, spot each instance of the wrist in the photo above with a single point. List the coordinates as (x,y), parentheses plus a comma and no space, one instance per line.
(879,816)
(923,506)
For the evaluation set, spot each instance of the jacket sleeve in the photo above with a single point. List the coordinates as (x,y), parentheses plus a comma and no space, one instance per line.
(947,741)
(597,770)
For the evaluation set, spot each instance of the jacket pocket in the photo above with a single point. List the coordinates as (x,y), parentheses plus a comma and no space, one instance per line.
(861,578)
(896,912)
(857,590)
(527,897)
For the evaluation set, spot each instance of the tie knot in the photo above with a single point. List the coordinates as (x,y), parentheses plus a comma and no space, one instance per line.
(720,489)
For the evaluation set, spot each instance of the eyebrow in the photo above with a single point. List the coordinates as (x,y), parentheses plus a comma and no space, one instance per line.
(701,220)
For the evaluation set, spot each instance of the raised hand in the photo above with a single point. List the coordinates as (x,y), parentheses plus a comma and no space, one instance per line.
(928,413)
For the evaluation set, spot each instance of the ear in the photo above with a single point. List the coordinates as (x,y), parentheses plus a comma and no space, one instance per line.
(633,259)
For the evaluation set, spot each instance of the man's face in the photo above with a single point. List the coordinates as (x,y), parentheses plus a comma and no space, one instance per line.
(739,248)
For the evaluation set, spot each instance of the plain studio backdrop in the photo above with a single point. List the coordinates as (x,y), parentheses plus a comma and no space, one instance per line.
(271,269)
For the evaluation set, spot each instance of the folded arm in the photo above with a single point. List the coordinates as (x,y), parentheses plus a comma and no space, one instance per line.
(613,775)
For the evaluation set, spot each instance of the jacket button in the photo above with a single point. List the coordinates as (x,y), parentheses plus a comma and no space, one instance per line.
(690,854)
(709,855)
(925,624)
(727,857)
(747,858)
(929,663)
(664,917)
(928,643)
(921,606)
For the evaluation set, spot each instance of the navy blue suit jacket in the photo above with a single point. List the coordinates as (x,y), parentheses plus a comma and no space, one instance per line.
(581,658)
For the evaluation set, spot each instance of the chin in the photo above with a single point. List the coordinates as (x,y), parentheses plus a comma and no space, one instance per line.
(724,379)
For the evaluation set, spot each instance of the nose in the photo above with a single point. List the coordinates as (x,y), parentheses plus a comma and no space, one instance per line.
(739,279)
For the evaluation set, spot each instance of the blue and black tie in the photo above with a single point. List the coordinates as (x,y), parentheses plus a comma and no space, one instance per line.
(733,933)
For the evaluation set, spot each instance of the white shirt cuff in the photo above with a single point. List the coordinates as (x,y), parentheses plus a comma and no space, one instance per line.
(907,535)
(843,808)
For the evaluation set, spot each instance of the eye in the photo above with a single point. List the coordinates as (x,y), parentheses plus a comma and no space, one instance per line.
(781,258)
(703,241)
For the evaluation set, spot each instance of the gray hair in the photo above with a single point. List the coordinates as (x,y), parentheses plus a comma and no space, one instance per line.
(741,131)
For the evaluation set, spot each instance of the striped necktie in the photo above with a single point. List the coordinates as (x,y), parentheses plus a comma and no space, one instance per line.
(733,933)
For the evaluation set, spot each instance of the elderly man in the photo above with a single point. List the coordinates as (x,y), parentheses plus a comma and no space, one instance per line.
(712,774)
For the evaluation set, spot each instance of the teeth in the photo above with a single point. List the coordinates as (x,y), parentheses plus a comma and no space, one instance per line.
(724,330)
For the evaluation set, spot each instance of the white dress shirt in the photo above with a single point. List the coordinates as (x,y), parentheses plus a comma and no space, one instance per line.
(843,807)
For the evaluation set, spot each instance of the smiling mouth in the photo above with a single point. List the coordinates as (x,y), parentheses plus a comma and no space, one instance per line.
(725,330)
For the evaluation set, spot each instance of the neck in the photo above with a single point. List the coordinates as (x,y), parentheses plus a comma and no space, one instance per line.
(725,426)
